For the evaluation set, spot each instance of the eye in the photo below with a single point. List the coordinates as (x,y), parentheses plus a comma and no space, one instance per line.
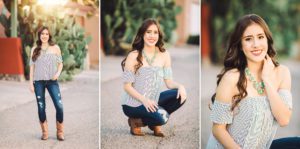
(261,37)
(248,39)
(155,32)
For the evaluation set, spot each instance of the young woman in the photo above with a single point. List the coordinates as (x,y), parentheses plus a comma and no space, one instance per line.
(253,94)
(145,68)
(45,68)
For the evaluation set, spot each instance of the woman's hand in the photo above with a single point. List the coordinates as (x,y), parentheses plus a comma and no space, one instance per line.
(55,77)
(31,87)
(181,93)
(150,105)
(268,69)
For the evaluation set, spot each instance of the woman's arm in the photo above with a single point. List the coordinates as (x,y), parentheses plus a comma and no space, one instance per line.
(221,134)
(60,64)
(280,110)
(130,62)
(225,91)
(171,84)
(31,87)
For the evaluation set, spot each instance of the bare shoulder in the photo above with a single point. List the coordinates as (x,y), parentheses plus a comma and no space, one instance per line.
(227,87)
(283,73)
(56,48)
(231,76)
(282,69)
(131,60)
(133,55)
(165,54)
(166,58)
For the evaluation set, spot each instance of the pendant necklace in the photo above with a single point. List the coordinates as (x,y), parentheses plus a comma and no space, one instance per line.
(149,61)
(44,50)
(259,86)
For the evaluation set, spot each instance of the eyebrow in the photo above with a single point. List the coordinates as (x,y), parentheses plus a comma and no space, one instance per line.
(252,35)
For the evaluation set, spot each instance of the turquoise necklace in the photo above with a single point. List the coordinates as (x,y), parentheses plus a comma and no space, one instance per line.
(44,50)
(150,61)
(259,86)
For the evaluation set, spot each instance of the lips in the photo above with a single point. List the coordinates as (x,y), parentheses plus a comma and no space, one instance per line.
(151,40)
(256,52)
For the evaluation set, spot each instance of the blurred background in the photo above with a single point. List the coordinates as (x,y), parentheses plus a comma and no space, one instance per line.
(180,23)
(72,23)
(218,19)
(122,18)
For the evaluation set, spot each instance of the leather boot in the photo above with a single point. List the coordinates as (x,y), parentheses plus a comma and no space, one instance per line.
(60,131)
(44,127)
(157,131)
(135,126)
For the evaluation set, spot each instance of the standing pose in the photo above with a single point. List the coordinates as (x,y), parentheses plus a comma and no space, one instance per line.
(253,93)
(145,68)
(45,68)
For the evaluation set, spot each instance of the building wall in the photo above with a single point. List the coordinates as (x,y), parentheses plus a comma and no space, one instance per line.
(186,20)
(92,28)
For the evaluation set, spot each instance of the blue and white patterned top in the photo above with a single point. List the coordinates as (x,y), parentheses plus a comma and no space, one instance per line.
(251,125)
(45,66)
(147,81)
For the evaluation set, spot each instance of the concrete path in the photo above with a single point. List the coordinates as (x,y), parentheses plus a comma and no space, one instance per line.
(19,123)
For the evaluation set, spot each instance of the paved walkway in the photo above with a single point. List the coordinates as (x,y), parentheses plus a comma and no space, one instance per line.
(182,130)
(19,124)
(208,85)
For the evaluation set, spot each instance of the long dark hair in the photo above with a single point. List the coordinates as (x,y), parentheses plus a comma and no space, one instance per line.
(138,43)
(235,58)
(37,50)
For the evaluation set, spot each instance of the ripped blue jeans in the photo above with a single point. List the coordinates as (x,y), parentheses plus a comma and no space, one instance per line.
(168,103)
(54,91)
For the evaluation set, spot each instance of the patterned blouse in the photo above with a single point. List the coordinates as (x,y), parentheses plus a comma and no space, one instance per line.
(147,81)
(45,66)
(251,124)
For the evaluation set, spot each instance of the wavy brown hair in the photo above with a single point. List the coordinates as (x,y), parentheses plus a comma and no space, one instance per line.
(37,50)
(235,57)
(138,42)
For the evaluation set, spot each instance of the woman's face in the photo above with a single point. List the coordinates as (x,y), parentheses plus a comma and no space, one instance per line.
(254,43)
(151,35)
(45,36)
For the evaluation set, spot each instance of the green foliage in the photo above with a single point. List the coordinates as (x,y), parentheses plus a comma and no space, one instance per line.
(121,19)
(193,39)
(281,16)
(68,35)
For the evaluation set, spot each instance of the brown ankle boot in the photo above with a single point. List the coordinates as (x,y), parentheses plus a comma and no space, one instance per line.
(60,131)
(44,127)
(157,131)
(135,126)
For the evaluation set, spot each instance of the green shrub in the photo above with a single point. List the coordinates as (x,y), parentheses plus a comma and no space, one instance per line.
(120,20)
(65,32)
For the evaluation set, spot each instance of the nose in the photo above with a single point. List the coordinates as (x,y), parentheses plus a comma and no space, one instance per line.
(255,43)
(152,35)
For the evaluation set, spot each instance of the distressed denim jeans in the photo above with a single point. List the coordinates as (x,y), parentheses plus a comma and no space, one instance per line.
(54,91)
(286,143)
(168,103)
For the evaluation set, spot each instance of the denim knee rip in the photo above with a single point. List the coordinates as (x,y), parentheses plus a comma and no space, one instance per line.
(164,115)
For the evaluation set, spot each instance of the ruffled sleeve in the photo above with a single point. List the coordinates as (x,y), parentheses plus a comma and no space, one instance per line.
(128,76)
(286,96)
(221,113)
(167,73)
(59,59)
